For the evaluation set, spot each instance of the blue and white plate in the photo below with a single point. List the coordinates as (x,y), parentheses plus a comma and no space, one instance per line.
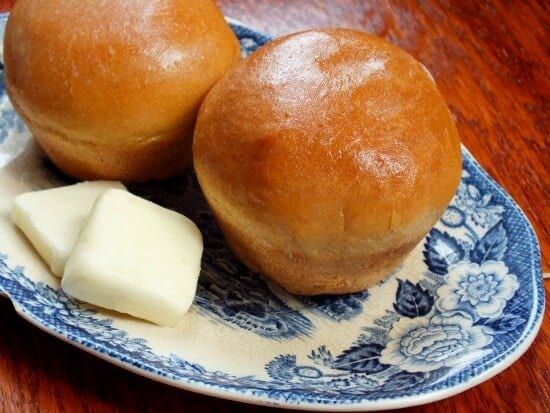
(465,304)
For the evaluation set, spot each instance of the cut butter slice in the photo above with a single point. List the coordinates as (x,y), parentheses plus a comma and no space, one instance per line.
(52,218)
(135,257)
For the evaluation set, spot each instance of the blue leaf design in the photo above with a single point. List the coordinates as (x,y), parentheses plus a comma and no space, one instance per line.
(441,250)
(504,324)
(360,359)
(282,367)
(404,380)
(491,247)
(337,307)
(412,300)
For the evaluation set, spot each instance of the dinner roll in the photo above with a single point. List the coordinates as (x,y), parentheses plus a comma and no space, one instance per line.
(326,156)
(111,88)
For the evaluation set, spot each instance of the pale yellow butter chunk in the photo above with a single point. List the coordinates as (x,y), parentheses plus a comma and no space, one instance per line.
(52,218)
(135,257)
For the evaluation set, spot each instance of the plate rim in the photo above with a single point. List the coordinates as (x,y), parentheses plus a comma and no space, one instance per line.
(233,395)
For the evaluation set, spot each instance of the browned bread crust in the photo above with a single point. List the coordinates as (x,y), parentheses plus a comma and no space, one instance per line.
(326,156)
(112,91)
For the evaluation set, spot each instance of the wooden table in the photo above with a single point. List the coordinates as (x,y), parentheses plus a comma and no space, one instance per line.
(491,62)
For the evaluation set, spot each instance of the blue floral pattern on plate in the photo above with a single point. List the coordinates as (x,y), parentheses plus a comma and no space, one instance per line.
(475,306)
(452,317)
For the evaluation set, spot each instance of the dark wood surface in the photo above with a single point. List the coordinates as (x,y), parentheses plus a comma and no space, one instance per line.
(491,60)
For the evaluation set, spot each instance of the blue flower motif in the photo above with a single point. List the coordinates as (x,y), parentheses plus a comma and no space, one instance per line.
(56,302)
(453,217)
(282,367)
(482,290)
(446,340)
(470,201)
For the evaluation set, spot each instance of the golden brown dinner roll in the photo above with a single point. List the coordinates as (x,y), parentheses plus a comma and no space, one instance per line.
(111,89)
(326,156)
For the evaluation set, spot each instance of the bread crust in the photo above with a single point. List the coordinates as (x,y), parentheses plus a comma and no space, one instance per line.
(326,156)
(111,90)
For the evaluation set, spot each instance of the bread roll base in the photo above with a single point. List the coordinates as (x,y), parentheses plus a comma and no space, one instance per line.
(158,157)
(303,274)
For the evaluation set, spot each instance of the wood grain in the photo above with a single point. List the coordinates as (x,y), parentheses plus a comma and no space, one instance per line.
(491,60)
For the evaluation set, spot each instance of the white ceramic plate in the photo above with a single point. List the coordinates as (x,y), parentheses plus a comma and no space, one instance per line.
(465,304)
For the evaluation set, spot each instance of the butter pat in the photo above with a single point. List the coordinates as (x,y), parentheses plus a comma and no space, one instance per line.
(52,219)
(135,257)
